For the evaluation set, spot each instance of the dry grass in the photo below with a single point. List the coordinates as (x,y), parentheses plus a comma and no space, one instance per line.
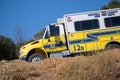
(9,71)
(103,66)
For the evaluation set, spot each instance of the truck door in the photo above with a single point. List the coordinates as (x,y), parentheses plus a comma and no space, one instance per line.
(56,41)
(76,41)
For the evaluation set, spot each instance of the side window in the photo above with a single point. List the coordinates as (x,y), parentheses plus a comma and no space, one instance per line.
(54,30)
(112,21)
(86,25)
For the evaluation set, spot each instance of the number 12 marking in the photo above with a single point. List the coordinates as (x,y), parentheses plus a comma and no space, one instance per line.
(78,47)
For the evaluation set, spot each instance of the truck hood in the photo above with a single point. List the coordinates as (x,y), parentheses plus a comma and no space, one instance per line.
(34,44)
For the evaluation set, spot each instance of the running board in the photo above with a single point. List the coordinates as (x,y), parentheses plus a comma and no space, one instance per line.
(59,54)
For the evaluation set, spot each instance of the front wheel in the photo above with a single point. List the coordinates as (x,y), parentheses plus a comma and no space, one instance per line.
(36,57)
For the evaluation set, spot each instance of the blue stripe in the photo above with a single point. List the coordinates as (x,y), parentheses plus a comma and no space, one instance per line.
(109,33)
(76,41)
(24,58)
(46,46)
(90,38)
(56,45)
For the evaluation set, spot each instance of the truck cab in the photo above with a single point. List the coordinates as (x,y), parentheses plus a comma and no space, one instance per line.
(52,43)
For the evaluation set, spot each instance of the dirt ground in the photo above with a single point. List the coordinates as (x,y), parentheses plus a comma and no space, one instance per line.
(48,69)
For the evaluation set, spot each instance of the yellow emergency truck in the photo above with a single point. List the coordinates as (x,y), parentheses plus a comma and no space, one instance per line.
(76,34)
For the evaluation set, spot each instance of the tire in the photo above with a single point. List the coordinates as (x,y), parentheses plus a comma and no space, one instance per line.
(36,57)
(112,46)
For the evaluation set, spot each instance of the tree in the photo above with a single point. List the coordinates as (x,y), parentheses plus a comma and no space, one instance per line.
(112,4)
(20,38)
(7,49)
(19,35)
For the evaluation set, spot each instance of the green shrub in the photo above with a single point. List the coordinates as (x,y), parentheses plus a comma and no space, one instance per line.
(7,49)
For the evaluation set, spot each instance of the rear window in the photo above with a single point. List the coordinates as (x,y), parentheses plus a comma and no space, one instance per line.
(112,21)
(86,25)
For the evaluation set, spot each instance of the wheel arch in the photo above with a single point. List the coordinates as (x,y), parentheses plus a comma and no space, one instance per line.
(37,50)
(112,42)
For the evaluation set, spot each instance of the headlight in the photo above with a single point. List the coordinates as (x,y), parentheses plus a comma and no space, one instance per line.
(20,51)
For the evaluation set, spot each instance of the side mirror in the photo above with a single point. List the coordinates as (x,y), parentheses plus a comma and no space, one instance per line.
(61,42)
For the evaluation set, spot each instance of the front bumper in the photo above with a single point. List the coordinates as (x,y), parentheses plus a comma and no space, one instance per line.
(24,58)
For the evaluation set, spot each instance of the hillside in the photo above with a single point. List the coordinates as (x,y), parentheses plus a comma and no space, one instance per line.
(103,66)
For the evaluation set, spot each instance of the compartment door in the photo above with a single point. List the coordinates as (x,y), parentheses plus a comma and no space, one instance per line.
(77,43)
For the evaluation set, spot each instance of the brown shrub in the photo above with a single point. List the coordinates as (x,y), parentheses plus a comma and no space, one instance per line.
(9,72)
(103,66)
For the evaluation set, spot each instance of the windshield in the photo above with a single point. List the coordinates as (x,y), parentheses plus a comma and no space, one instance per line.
(40,34)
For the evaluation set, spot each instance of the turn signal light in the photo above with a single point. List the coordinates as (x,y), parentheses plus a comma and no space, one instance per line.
(24,47)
